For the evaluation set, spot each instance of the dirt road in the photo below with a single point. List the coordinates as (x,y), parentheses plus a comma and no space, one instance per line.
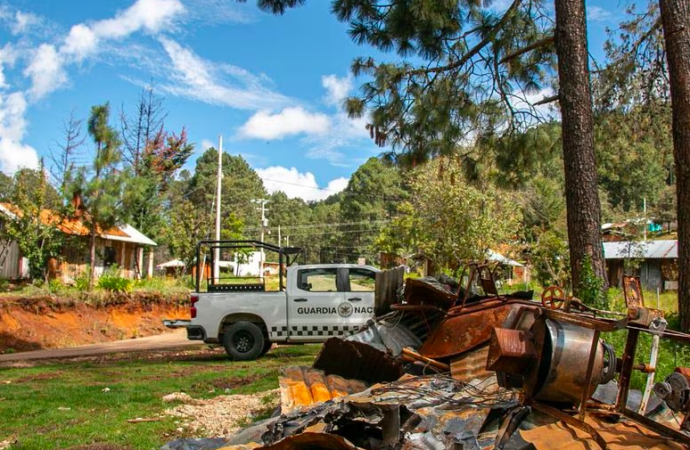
(164,341)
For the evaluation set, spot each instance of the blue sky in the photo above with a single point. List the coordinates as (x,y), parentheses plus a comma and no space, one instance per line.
(270,85)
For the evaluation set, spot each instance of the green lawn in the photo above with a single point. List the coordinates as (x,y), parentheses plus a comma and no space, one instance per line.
(67,404)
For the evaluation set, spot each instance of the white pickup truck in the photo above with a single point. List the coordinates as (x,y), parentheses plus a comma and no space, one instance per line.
(317,302)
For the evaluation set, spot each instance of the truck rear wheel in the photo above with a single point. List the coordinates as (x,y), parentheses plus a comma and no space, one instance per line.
(267,346)
(243,341)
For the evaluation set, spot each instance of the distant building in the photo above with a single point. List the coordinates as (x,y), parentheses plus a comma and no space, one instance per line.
(658,262)
(122,245)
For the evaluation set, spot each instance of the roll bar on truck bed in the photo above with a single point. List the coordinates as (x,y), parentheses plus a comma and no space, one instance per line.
(286,257)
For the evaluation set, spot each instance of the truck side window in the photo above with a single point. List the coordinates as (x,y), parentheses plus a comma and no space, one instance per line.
(317,280)
(362,280)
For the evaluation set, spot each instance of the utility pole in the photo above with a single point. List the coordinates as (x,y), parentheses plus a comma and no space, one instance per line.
(216,251)
(644,213)
(280,243)
(264,225)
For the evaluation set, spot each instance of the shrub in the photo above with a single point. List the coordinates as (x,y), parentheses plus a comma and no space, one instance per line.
(114,283)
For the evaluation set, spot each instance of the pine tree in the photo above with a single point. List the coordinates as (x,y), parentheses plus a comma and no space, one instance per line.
(476,66)
(675,15)
(98,190)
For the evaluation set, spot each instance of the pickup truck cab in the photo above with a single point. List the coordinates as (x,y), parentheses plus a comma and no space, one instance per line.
(316,302)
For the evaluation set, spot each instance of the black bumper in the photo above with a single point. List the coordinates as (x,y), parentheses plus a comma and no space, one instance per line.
(196,333)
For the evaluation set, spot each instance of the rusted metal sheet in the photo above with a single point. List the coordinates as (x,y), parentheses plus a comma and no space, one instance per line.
(470,365)
(301,386)
(421,323)
(387,335)
(420,291)
(510,351)
(312,440)
(618,436)
(388,282)
(458,334)
(356,360)
(632,291)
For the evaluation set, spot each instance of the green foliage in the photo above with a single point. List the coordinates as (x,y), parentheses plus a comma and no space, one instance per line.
(185,228)
(115,284)
(5,187)
(82,282)
(100,187)
(460,86)
(590,290)
(240,185)
(113,281)
(634,155)
(371,197)
(450,220)
(33,228)
(550,259)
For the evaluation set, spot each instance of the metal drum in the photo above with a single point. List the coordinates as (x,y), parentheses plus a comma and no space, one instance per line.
(562,372)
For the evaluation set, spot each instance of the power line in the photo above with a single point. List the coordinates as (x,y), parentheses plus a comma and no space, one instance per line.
(321,225)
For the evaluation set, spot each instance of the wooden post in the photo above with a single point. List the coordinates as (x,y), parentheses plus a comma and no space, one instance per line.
(149,272)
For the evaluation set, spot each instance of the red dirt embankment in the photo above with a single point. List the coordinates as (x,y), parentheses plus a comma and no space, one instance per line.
(35,323)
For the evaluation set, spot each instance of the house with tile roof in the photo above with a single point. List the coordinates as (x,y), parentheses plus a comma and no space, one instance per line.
(122,245)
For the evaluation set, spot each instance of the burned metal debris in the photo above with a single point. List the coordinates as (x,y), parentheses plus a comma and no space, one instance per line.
(446,366)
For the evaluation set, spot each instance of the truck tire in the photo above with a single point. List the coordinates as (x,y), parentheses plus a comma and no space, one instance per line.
(267,346)
(243,341)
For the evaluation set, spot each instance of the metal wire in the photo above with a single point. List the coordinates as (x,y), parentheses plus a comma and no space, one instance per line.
(452,395)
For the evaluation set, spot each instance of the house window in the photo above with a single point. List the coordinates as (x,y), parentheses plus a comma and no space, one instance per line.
(108,256)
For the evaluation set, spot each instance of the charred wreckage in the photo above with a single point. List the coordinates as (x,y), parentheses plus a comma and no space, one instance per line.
(443,367)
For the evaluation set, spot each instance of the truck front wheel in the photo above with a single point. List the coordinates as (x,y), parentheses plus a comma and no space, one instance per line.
(243,341)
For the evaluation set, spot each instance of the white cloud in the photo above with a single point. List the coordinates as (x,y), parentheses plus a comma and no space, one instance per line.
(8,56)
(216,84)
(296,184)
(205,145)
(216,12)
(23,21)
(288,122)
(147,15)
(324,134)
(80,42)
(344,133)
(47,67)
(525,101)
(336,88)
(598,14)
(337,185)
(46,71)
(14,154)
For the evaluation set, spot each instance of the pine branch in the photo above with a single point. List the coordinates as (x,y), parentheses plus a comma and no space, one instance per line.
(477,48)
(540,43)
(547,100)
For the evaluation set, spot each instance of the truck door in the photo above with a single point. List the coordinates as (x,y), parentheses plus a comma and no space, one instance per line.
(359,292)
(316,303)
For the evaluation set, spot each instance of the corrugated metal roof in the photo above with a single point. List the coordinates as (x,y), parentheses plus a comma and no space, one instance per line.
(662,249)
(493,256)
(131,235)
(303,386)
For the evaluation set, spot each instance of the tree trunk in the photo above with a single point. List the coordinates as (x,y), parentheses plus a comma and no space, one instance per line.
(581,192)
(92,256)
(675,18)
